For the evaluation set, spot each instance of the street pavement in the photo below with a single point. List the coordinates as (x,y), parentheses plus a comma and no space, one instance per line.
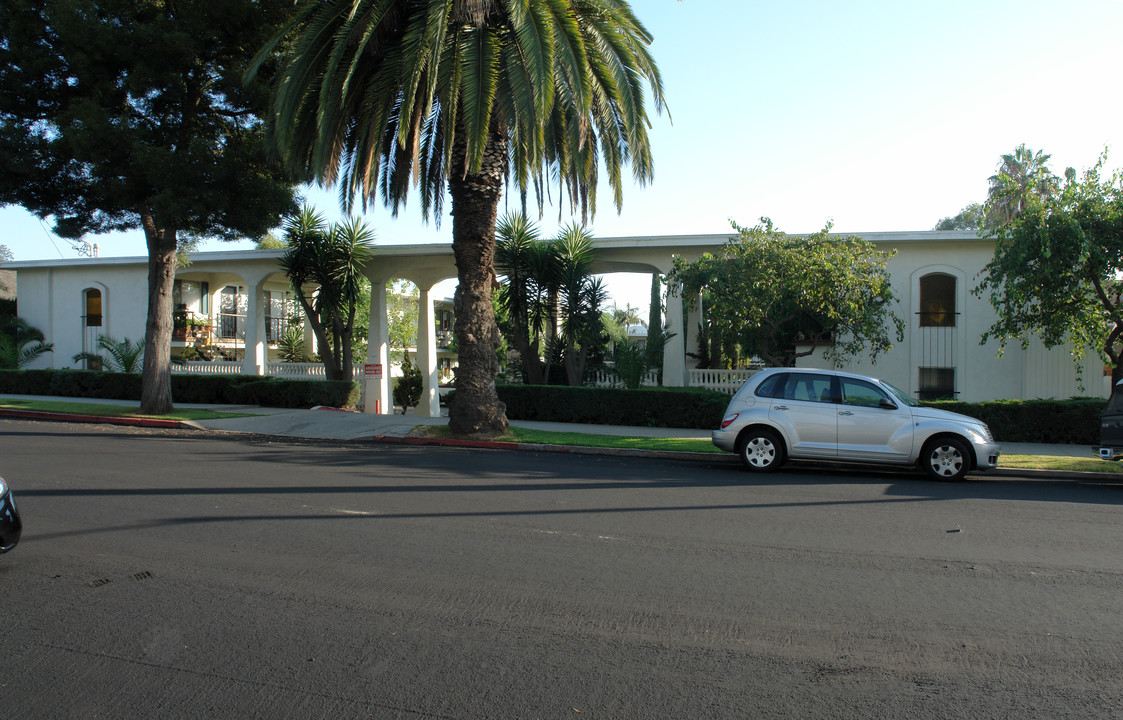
(334,424)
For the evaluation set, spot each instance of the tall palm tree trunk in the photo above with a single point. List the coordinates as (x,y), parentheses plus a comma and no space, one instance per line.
(156,387)
(476,409)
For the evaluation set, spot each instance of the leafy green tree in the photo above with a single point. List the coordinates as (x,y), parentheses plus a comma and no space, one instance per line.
(972,217)
(122,356)
(5,256)
(127,114)
(1057,267)
(402,302)
(325,265)
(407,388)
(465,95)
(20,343)
(785,296)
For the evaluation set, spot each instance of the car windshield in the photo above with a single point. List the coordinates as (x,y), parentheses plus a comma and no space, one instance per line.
(899,394)
(1115,402)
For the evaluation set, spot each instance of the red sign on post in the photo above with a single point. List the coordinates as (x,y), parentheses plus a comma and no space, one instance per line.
(373,371)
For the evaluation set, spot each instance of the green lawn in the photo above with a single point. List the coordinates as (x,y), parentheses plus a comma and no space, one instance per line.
(703,445)
(83,408)
(540,437)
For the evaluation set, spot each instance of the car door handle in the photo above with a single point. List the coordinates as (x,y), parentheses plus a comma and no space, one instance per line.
(845,412)
(780,407)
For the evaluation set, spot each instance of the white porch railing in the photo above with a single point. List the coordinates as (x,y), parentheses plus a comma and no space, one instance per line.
(209,367)
(727,381)
(309,371)
(607,378)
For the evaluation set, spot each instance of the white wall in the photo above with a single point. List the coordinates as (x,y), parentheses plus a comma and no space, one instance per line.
(1034,372)
(124,306)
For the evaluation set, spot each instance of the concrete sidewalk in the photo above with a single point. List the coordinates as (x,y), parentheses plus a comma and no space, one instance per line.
(332,424)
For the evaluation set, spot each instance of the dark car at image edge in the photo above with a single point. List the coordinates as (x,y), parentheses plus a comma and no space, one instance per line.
(10,524)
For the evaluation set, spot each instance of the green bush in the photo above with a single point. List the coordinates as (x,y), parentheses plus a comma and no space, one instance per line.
(644,407)
(207,389)
(1069,422)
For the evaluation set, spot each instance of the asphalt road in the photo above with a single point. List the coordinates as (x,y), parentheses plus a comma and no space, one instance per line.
(194,576)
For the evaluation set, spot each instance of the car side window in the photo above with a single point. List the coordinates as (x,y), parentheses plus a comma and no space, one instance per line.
(773,387)
(861,393)
(808,387)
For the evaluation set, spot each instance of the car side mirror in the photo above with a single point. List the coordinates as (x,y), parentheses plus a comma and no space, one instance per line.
(885,404)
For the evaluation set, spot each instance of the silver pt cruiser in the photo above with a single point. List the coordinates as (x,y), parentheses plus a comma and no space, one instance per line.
(805,414)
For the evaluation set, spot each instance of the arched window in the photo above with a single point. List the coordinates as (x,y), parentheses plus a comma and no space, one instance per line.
(937,300)
(92,317)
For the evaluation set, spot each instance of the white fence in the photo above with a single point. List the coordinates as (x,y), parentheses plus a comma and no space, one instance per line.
(309,371)
(209,367)
(726,381)
(607,378)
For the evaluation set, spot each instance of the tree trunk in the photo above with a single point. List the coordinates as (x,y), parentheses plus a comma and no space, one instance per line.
(476,410)
(156,379)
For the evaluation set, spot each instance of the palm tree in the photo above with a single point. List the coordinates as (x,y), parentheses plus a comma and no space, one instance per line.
(382,95)
(1021,175)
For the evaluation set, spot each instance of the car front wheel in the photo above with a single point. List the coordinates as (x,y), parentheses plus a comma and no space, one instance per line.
(762,451)
(946,459)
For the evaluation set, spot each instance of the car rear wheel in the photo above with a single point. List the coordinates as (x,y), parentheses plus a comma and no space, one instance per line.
(761,451)
(946,459)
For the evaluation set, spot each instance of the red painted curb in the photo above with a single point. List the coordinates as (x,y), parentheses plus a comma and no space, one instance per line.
(68,417)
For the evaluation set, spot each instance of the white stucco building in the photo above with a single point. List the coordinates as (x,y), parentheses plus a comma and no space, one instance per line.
(243,300)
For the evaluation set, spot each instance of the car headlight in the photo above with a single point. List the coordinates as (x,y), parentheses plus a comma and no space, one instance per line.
(980,434)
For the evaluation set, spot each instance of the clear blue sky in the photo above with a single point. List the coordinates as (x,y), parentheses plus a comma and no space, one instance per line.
(880,116)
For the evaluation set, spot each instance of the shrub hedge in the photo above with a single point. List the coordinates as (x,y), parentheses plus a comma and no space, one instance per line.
(1075,421)
(645,407)
(219,389)
(1069,422)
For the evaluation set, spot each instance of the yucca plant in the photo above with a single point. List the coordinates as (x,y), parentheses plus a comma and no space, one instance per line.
(291,345)
(121,355)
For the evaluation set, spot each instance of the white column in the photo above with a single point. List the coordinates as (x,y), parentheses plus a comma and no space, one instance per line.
(253,363)
(674,352)
(430,403)
(693,331)
(310,344)
(377,389)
